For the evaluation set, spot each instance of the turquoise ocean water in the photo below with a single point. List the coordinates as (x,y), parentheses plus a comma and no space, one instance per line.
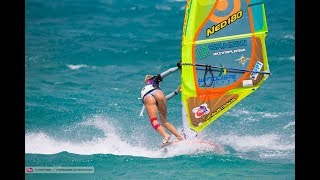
(84,65)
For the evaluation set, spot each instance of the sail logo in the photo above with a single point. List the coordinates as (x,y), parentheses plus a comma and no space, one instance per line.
(202,52)
(217,80)
(231,44)
(247,83)
(201,110)
(256,70)
(215,28)
(29,169)
(228,51)
(223,6)
(220,108)
(242,60)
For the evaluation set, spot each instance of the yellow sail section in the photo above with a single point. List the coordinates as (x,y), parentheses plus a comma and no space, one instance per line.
(224,57)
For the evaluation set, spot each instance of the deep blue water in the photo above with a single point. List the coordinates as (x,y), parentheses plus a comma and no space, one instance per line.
(84,65)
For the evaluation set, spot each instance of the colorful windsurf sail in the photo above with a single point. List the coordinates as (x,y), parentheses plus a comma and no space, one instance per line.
(224,56)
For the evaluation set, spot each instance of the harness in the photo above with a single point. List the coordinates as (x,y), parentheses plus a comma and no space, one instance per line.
(148,88)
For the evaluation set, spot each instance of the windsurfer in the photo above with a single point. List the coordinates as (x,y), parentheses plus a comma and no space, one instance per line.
(155,102)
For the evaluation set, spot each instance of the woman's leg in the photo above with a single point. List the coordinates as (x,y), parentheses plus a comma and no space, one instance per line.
(152,110)
(162,106)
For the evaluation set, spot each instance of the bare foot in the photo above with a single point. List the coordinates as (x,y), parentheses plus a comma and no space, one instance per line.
(179,138)
(166,139)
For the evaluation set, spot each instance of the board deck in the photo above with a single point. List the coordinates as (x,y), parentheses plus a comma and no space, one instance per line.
(194,142)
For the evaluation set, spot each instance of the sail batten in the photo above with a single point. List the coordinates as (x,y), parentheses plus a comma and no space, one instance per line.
(224,57)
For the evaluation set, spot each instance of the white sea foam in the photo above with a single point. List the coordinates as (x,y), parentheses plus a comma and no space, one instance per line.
(292,123)
(251,143)
(163,7)
(111,143)
(289,36)
(292,58)
(243,112)
(76,66)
